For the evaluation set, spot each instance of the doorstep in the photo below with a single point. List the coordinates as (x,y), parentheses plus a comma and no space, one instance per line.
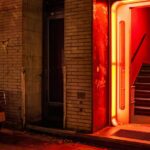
(104,138)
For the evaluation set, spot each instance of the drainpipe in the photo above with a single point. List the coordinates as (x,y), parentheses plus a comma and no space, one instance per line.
(64,87)
(23,111)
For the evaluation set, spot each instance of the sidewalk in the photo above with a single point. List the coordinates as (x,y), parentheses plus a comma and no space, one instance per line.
(16,140)
(105,138)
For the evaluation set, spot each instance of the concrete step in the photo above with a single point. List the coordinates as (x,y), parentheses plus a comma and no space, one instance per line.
(146,66)
(144,102)
(142,93)
(140,110)
(94,139)
(144,72)
(141,86)
(142,99)
(143,79)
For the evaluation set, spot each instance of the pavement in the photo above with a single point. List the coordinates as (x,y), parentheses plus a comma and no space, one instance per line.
(17,140)
(105,137)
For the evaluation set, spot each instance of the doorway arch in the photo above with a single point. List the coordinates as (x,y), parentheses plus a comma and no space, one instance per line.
(120,58)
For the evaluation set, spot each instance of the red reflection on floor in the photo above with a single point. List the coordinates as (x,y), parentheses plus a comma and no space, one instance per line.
(71,147)
(110,132)
(16,140)
(100,64)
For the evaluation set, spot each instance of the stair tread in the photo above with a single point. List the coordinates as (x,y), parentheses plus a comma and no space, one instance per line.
(145,91)
(142,99)
(142,107)
(142,91)
(142,83)
(142,76)
(144,70)
(145,64)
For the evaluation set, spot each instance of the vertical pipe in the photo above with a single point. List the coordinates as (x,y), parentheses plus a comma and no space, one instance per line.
(23,111)
(64,87)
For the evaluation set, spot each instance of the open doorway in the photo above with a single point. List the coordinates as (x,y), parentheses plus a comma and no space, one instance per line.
(53,54)
(140,63)
(53,104)
(129,21)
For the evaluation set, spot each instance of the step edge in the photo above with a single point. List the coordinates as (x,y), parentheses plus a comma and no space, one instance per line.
(142,83)
(142,76)
(141,107)
(145,91)
(142,99)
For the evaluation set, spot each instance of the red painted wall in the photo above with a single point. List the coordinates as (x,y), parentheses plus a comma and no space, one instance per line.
(139,26)
(147,56)
(100,65)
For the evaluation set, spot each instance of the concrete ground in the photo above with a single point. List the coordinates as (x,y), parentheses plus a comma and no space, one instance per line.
(16,140)
(109,132)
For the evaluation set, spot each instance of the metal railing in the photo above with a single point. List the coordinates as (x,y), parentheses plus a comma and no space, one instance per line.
(138,48)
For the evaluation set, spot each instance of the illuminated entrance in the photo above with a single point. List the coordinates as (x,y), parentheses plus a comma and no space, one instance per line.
(121,57)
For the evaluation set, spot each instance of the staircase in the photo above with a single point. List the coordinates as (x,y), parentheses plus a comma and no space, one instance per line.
(142,91)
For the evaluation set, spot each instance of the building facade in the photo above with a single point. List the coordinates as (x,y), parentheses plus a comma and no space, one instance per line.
(24,62)
(56,63)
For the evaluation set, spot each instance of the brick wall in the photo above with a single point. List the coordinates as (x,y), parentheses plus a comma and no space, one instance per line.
(78,62)
(11,57)
(32,57)
(21,60)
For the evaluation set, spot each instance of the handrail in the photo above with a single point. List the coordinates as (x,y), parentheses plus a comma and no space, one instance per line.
(138,48)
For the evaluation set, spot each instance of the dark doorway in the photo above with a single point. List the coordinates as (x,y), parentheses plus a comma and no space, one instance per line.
(53,74)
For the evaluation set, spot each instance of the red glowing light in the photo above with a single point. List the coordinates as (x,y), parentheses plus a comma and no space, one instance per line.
(100,65)
(122,43)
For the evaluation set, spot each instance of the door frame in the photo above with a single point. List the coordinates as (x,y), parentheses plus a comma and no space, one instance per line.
(53,15)
(120,113)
